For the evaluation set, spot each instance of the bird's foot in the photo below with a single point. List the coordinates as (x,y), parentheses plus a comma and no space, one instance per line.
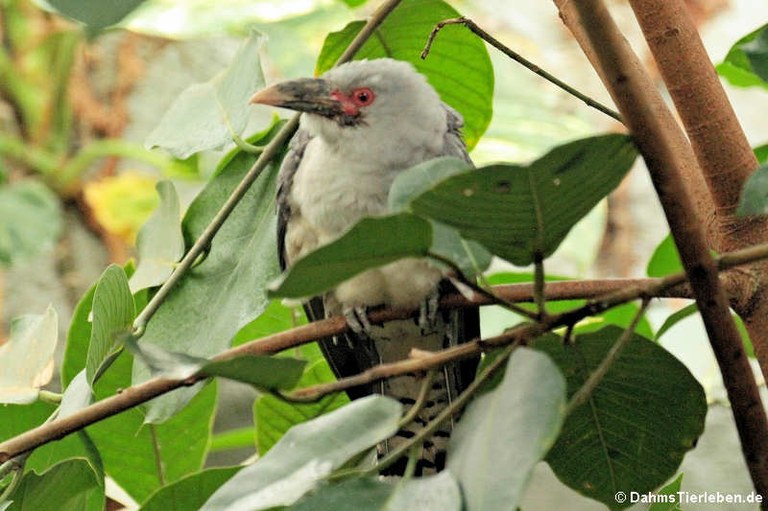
(358,322)
(428,311)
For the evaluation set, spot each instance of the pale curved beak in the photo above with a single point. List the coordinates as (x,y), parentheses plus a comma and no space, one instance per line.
(311,95)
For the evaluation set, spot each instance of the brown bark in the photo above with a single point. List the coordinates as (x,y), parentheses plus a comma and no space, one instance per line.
(673,170)
(720,146)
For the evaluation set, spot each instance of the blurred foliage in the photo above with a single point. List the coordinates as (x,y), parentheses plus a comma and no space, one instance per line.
(121,204)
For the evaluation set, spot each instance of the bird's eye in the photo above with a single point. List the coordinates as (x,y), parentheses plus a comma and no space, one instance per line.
(362,97)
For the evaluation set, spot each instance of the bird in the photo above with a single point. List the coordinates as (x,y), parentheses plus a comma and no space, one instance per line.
(362,124)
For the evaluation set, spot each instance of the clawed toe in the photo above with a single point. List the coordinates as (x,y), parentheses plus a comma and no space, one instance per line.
(358,322)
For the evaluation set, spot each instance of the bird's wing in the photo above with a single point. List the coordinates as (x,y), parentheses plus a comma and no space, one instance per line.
(290,165)
(453,143)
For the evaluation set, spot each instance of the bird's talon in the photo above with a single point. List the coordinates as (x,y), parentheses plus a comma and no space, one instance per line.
(358,322)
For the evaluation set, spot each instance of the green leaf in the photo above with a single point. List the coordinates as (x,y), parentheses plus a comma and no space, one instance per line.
(189,492)
(756,51)
(516,212)
(676,317)
(738,66)
(207,115)
(354,3)
(227,290)
(96,14)
(270,373)
(754,196)
(468,255)
(240,438)
(435,493)
(113,313)
(665,259)
(274,416)
(308,453)
(30,221)
(523,414)
(761,153)
(370,243)
(276,318)
(178,447)
(160,243)
(638,423)
(458,66)
(77,395)
(27,356)
(71,485)
(671,490)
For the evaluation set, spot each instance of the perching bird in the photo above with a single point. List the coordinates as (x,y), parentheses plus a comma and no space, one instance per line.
(365,122)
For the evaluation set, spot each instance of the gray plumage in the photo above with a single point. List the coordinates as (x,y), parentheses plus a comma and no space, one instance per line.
(364,123)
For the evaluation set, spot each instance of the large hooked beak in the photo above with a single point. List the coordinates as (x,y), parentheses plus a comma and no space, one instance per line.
(311,95)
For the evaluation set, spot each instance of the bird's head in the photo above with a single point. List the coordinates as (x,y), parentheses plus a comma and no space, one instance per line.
(379,94)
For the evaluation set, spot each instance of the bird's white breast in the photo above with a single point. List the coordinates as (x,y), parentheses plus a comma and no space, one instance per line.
(332,190)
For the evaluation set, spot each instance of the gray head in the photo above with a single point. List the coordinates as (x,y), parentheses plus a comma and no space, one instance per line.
(365,95)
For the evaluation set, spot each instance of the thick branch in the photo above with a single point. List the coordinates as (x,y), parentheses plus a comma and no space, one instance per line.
(720,146)
(660,144)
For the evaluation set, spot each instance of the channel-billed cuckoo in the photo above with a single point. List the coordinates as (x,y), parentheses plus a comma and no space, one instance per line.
(365,122)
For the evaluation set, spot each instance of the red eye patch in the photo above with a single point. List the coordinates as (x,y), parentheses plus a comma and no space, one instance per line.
(358,98)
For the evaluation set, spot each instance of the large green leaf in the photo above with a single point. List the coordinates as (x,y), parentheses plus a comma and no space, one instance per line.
(227,289)
(307,454)
(30,221)
(638,423)
(746,62)
(505,432)
(370,243)
(517,212)
(468,255)
(96,14)
(754,196)
(27,356)
(207,115)
(435,493)
(139,458)
(458,66)
(113,313)
(160,243)
(71,485)
(189,492)
(274,416)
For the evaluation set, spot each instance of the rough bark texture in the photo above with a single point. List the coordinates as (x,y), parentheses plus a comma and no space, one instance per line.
(668,157)
(720,146)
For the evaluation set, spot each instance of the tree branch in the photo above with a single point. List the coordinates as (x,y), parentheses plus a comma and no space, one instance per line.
(664,150)
(613,293)
(719,144)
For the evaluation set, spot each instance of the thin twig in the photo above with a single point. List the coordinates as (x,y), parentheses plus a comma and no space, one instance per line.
(471,25)
(581,395)
(421,399)
(539,284)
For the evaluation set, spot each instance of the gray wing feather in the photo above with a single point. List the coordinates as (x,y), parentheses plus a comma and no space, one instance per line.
(453,143)
(290,165)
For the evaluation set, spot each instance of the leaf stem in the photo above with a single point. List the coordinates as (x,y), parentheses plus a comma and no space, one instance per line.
(421,399)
